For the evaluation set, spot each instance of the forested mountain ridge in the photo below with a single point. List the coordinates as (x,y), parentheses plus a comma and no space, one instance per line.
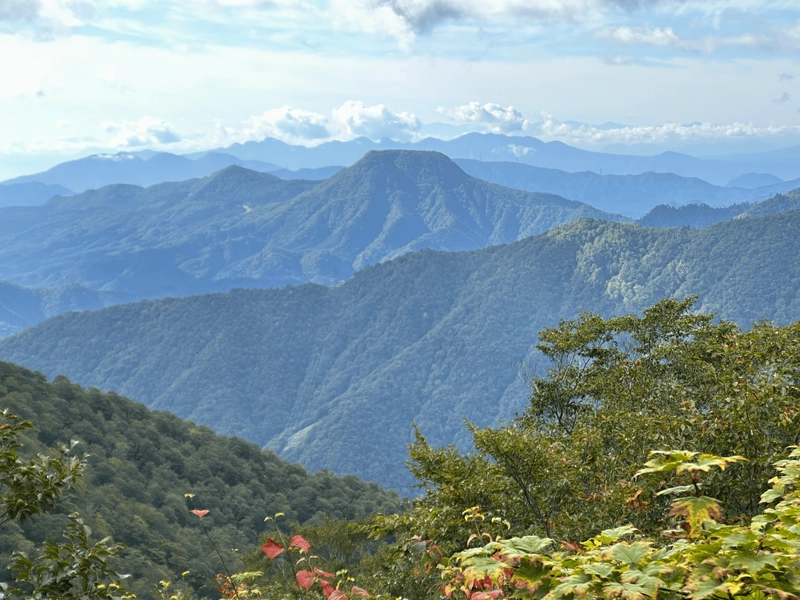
(244,228)
(334,377)
(141,465)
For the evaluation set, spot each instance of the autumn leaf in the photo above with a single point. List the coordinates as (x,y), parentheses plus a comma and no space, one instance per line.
(360,591)
(337,595)
(272,548)
(305,579)
(299,541)
(199,513)
(327,588)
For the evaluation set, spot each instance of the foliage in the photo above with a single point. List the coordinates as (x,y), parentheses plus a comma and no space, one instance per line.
(290,569)
(564,469)
(140,466)
(76,568)
(757,560)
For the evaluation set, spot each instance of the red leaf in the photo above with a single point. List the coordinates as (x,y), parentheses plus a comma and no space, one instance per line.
(272,548)
(322,573)
(299,541)
(199,513)
(360,592)
(493,595)
(337,595)
(305,579)
(327,588)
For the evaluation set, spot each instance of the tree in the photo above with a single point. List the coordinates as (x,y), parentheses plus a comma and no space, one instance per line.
(75,568)
(616,388)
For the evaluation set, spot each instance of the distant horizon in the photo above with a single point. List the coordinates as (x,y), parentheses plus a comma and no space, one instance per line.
(49,162)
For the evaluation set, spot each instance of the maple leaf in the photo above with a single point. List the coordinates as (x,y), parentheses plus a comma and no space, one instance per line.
(199,513)
(327,588)
(299,541)
(272,548)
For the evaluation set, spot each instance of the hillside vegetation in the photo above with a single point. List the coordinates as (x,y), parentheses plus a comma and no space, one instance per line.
(141,465)
(334,377)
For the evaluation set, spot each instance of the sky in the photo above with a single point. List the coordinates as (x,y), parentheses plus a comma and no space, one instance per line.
(640,76)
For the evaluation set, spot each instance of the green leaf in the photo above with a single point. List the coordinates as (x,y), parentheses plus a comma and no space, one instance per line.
(629,554)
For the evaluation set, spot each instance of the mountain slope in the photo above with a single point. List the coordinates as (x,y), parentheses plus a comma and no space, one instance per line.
(243,228)
(334,377)
(142,463)
(29,194)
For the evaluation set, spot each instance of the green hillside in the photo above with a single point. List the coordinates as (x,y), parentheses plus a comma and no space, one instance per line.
(334,377)
(142,463)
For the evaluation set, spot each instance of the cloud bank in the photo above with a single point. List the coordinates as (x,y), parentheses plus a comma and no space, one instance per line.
(147,131)
(488,117)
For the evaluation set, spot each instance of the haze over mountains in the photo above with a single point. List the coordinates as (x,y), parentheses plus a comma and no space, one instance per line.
(784,164)
(334,377)
(243,228)
(630,195)
(285,160)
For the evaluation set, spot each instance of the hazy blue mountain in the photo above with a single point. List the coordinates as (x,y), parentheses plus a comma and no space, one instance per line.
(22,307)
(30,194)
(630,195)
(334,377)
(527,150)
(242,228)
(100,170)
(310,174)
(270,155)
(754,180)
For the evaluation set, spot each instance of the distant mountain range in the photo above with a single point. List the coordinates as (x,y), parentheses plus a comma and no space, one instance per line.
(785,164)
(100,170)
(241,228)
(334,377)
(292,162)
(630,195)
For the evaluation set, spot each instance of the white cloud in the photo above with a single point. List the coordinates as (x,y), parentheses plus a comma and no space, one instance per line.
(553,129)
(777,39)
(146,131)
(650,36)
(47,15)
(490,117)
(404,19)
(293,125)
(354,119)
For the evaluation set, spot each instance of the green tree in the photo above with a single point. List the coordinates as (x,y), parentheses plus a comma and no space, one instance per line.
(75,568)
(616,388)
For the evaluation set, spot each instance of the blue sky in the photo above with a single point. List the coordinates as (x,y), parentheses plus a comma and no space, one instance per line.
(81,76)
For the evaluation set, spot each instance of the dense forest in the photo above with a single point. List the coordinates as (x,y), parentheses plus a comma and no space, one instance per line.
(334,377)
(141,464)
(653,439)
